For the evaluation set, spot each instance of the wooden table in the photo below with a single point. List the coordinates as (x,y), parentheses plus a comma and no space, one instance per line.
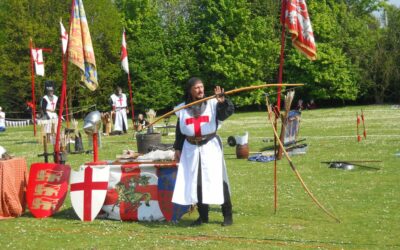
(13,182)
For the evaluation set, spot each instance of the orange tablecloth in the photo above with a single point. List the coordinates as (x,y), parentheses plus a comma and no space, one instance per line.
(13,182)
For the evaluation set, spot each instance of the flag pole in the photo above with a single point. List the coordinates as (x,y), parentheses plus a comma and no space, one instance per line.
(64,77)
(63,95)
(66,109)
(131,98)
(64,67)
(33,88)
(278,102)
(124,55)
(282,53)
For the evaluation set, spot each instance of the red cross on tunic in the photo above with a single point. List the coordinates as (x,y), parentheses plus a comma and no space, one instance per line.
(88,186)
(53,105)
(197,122)
(120,101)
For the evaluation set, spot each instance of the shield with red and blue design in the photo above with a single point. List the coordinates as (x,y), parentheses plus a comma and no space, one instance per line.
(166,184)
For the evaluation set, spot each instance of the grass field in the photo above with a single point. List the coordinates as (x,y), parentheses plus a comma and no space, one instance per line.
(366,201)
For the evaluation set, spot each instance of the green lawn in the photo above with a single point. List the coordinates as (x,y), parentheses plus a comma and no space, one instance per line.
(366,201)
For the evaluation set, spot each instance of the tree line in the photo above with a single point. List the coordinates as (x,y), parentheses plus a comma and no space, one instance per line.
(232,43)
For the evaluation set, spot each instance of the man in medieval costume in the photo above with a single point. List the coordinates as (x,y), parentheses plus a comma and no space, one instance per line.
(119,104)
(2,120)
(202,177)
(48,106)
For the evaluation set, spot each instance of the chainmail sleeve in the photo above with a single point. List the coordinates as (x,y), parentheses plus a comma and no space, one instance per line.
(225,109)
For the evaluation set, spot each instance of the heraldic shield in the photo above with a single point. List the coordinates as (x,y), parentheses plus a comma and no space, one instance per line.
(88,191)
(47,188)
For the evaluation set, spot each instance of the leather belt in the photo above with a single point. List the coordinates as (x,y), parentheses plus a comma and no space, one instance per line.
(119,108)
(200,140)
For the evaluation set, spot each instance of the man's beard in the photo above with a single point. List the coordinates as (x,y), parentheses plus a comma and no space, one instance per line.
(197,110)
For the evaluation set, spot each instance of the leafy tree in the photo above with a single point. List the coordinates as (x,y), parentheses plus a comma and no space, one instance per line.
(225,42)
(39,20)
(342,35)
(233,47)
(148,57)
(383,68)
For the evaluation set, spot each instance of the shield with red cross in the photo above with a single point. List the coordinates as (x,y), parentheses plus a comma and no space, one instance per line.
(88,191)
(47,188)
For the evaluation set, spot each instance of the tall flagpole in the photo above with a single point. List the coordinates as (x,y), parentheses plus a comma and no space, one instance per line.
(63,95)
(131,98)
(278,103)
(33,88)
(64,69)
(66,103)
(282,58)
(124,55)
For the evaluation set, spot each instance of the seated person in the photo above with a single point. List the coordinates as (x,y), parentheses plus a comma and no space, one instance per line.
(311,104)
(2,120)
(140,123)
(300,106)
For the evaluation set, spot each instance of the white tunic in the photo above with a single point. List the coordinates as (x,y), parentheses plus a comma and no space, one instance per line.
(2,119)
(51,106)
(51,126)
(119,104)
(210,156)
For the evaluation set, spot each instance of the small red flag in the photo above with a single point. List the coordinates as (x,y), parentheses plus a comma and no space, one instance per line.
(363,121)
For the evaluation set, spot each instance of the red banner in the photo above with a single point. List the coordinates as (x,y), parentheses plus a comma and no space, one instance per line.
(298,23)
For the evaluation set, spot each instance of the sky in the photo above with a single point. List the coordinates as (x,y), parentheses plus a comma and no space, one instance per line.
(395,2)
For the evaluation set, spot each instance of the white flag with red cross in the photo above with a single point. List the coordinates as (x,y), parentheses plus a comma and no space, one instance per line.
(88,191)
(124,54)
(37,55)
(64,38)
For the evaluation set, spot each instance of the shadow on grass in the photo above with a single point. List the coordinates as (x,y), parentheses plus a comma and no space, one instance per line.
(12,140)
(229,156)
(184,223)
(65,214)
(26,142)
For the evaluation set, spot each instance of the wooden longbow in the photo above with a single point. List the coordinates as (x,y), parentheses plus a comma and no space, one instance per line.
(294,168)
(230,92)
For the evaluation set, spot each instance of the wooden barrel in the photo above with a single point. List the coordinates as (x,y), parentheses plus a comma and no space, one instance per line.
(242,151)
(145,141)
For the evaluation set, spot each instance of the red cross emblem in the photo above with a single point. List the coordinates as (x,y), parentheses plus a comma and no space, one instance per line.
(88,186)
(37,59)
(53,104)
(197,122)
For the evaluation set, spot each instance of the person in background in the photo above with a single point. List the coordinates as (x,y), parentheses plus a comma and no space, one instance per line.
(311,104)
(202,177)
(140,123)
(300,105)
(2,120)
(48,106)
(118,103)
